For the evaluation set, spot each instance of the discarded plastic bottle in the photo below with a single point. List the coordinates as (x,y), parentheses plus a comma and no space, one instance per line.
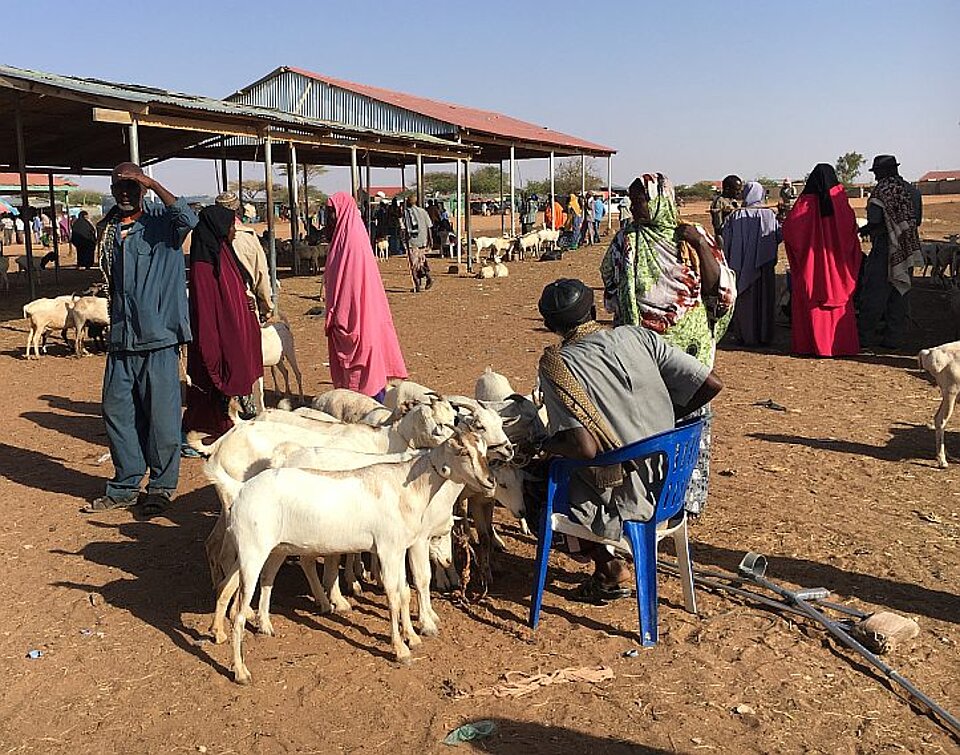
(470,732)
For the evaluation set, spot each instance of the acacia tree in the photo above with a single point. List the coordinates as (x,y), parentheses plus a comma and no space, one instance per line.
(848,167)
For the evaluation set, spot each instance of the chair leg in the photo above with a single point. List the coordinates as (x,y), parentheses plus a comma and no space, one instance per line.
(643,543)
(681,544)
(543,559)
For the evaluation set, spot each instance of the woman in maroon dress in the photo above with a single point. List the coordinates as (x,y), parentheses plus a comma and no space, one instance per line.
(224,358)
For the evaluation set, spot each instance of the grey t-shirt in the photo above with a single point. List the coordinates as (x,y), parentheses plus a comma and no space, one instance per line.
(634,378)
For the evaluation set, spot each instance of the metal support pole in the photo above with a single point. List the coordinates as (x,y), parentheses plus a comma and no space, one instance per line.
(467,218)
(420,179)
(369,217)
(223,164)
(583,176)
(293,205)
(55,230)
(609,191)
(403,176)
(240,185)
(457,205)
(502,218)
(292,190)
(553,197)
(306,200)
(354,173)
(25,200)
(133,133)
(513,191)
(271,235)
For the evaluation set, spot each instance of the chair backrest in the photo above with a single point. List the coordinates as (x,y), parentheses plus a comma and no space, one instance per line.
(679,448)
(681,461)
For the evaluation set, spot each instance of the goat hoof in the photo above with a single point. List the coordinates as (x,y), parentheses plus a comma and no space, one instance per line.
(219,637)
(405,657)
(431,631)
(341,606)
(267,629)
(942,464)
(242,677)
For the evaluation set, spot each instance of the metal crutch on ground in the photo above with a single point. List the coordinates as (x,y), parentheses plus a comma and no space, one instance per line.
(754,567)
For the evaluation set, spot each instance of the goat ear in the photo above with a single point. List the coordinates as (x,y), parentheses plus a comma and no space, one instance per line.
(509,421)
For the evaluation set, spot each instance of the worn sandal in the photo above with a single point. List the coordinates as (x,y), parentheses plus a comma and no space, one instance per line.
(108,503)
(592,590)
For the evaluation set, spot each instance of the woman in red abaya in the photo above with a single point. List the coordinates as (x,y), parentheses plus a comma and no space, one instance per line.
(224,359)
(823,247)
(364,350)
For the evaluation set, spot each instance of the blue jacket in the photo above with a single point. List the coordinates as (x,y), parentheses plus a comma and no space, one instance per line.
(148,289)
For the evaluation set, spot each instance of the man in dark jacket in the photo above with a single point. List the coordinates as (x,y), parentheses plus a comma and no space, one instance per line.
(894,212)
(142,261)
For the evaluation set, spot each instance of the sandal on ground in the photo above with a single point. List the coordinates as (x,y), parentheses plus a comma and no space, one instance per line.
(592,590)
(108,503)
(154,504)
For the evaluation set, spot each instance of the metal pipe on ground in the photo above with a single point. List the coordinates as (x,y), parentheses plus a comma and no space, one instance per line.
(754,567)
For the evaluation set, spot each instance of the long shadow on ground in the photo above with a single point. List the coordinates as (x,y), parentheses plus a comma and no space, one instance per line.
(528,738)
(908,442)
(167,565)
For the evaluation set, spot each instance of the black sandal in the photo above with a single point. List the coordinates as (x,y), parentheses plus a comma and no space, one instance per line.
(593,591)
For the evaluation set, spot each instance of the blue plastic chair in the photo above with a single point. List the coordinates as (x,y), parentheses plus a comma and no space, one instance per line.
(679,448)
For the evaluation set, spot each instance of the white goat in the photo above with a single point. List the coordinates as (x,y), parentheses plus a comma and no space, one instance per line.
(405,391)
(548,238)
(45,314)
(383,249)
(943,365)
(380,508)
(277,345)
(352,407)
(527,242)
(83,311)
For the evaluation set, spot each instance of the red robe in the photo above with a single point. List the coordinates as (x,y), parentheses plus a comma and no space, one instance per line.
(825,258)
(224,358)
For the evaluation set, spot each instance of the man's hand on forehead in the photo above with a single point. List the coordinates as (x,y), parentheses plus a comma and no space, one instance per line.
(130,172)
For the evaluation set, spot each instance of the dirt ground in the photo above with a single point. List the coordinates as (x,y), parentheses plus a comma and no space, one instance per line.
(839,491)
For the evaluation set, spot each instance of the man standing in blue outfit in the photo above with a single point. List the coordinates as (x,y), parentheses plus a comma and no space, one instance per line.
(142,261)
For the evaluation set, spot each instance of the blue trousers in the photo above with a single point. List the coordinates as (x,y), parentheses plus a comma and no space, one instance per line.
(141,409)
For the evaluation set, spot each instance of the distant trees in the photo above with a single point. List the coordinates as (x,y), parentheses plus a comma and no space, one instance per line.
(486,180)
(699,190)
(85,197)
(848,167)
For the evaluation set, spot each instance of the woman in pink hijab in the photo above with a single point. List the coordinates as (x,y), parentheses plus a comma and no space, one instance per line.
(364,351)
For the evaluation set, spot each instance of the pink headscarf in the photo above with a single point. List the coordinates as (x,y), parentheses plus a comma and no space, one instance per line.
(364,351)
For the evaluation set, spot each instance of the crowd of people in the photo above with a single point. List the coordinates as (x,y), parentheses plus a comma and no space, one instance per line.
(841,301)
(672,288)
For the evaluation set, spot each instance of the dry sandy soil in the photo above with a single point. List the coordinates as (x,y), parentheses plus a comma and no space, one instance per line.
(839,491)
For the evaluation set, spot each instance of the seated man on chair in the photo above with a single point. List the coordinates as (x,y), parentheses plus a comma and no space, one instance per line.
(604,388)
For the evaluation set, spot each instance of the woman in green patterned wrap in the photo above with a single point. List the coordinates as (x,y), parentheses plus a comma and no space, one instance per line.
(670,277)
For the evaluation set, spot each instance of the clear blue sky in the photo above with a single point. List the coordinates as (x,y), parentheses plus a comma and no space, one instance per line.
(693,89)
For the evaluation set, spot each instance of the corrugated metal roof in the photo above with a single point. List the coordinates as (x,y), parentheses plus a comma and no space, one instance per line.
(146,95)
(941,175)
(384,109)
(291,91)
